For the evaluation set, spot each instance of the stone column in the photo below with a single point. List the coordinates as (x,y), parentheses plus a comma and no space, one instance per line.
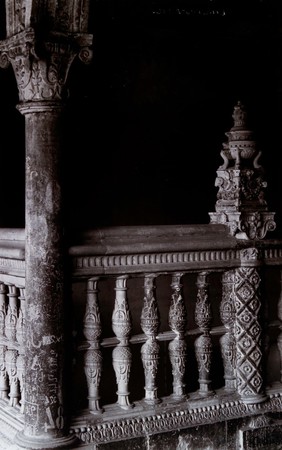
(44,368)
(41,65)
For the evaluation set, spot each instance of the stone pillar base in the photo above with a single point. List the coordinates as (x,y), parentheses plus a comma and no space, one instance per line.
(43,443)
(252,400)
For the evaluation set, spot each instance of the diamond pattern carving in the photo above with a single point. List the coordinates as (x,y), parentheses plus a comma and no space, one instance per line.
(248,334)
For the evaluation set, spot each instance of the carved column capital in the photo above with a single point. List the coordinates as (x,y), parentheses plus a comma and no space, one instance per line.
(41,66)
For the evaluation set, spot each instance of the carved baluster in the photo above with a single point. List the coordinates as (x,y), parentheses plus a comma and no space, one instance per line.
(93,356)
(4,381)
(20,335)
(122,357)
(11,365)
(3,309)
(279,338)
(248,328)
(21,378)
(20,326)
(150,349)
(177,347)
(12,313)
(227,341)
(4,385)
(12,354)
(203,344)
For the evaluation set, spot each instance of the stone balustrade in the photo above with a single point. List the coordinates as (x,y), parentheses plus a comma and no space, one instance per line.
(172,327)
(174,338)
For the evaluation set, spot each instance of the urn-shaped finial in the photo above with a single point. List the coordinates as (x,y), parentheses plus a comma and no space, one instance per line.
(241,144)
(240,180)
(240,116)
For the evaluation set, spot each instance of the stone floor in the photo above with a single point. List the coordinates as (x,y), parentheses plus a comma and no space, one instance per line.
(162,444)
(5,444)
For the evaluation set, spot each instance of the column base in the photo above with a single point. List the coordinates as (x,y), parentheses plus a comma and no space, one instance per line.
(252,400)
(43,443)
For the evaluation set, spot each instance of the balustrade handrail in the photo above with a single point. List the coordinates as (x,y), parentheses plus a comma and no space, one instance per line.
(118,250)
(12,256)
(126,239)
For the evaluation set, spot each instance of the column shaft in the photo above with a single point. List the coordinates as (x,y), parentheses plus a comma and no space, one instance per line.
(45,292)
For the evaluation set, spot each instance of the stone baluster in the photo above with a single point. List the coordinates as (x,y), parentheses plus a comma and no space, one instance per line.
(122,357)
(177,347)
(4,382)
(203,344)
(227,340)
(20,336)
(150,349)
(12,353)
(20,328)
(12,314)
(93,356)
(3,309)
(248,328)
(4,385)
(11,365)
(279,338)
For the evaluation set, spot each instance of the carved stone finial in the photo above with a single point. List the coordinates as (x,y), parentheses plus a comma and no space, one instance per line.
(240,200)
(240,116)
(241,145)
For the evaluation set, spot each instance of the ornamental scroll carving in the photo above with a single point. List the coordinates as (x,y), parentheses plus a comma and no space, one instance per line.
(41,78)
(241,203)
(171,420)
(43,38)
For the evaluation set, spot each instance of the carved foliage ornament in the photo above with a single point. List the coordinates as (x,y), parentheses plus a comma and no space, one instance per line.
(41,67)
(171,420)
(240,199)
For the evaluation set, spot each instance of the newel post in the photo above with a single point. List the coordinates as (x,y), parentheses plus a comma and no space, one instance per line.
(43,38)
(242,207)
(241,203)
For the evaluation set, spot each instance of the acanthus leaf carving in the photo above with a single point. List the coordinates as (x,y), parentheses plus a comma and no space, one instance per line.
(41,66)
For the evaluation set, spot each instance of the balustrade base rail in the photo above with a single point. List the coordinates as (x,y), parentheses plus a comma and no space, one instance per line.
(171,423)
(143,421)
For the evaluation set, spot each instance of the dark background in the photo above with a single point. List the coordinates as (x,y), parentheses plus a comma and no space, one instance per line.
(146,118)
